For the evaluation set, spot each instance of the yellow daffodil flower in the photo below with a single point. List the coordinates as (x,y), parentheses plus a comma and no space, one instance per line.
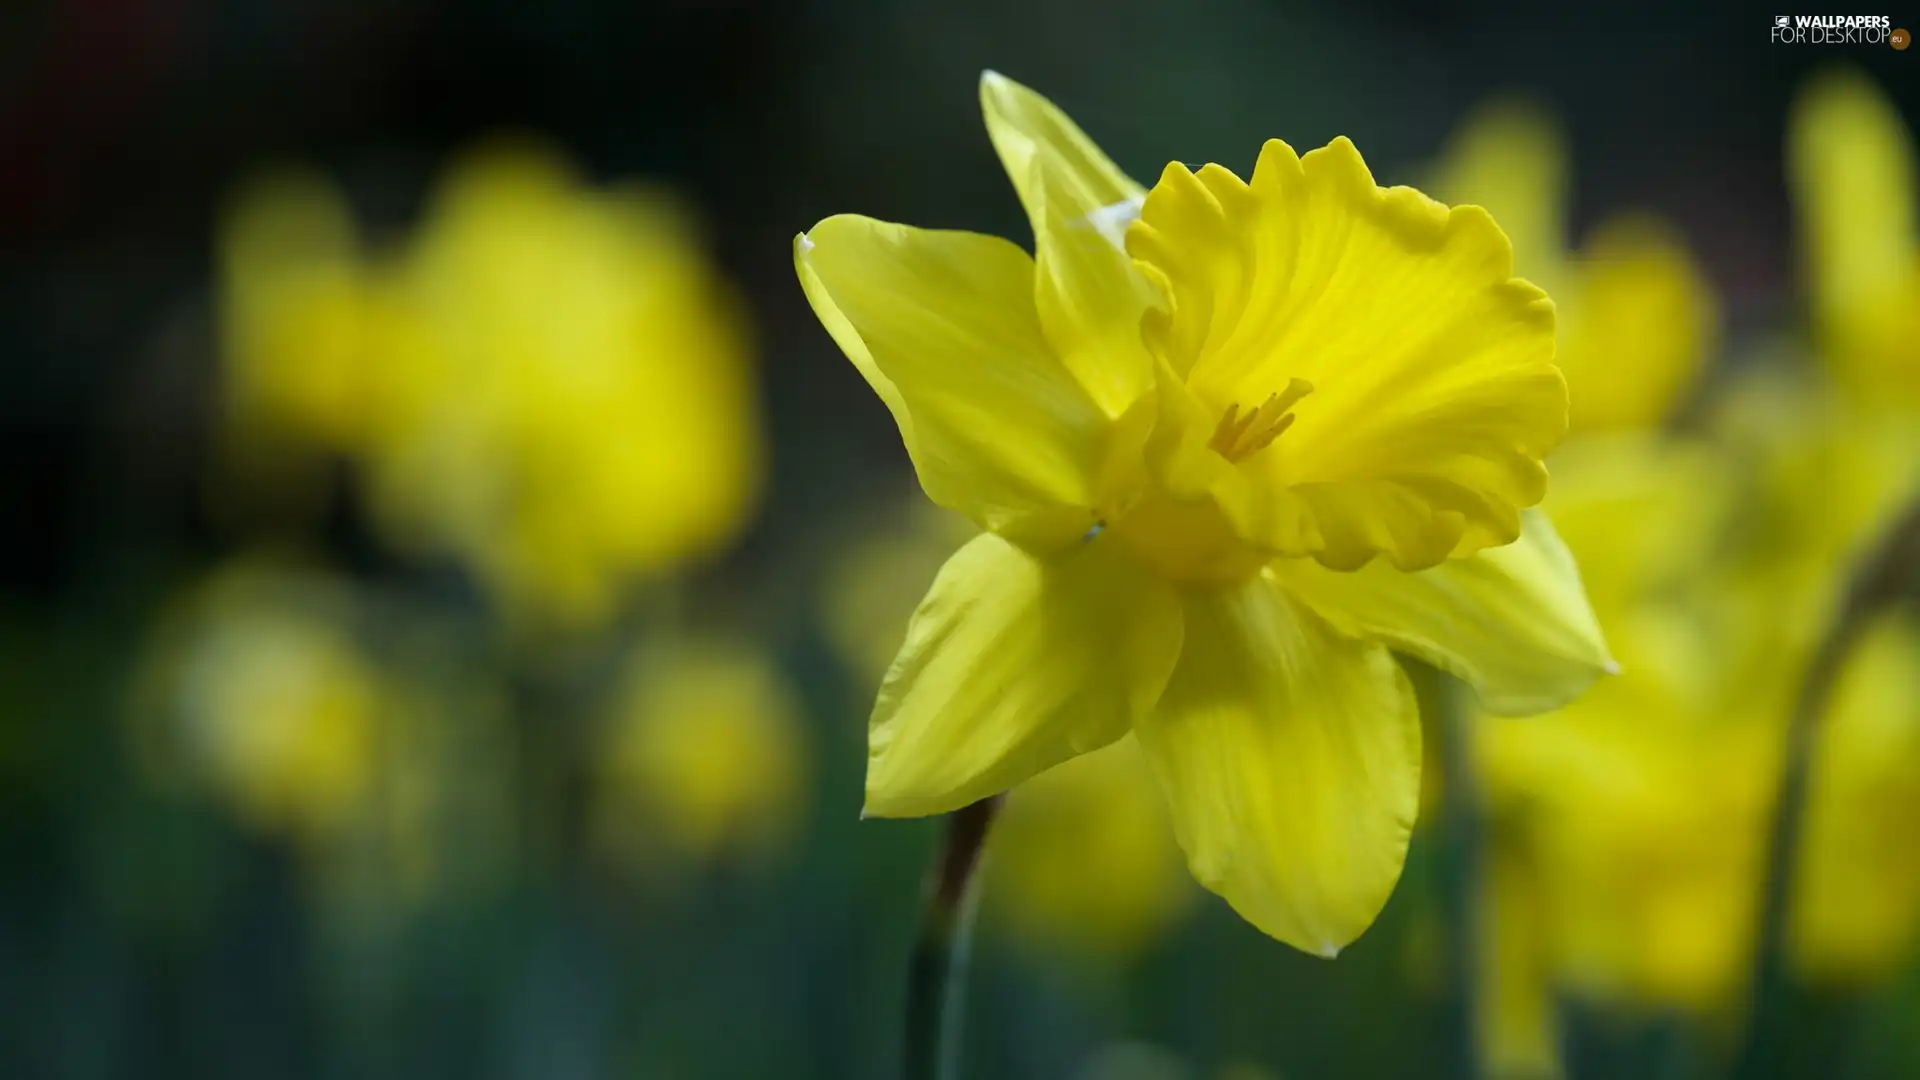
(1851,168)
(705,758)
(1230,441)
(1638,319)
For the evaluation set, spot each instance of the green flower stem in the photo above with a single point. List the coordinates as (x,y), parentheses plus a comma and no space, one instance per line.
(937,974)
(1449,708)
(1891,573)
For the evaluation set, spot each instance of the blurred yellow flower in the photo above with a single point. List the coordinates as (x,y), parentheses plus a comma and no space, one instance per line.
(1189,424)
(1829,481)
(1083,856)
(547,381)
(1856,906)
(256,692)
(1640,323)
(1625,828)
(1648,510)
(704,758)
(595,420)
(1851,168)
(1630,826)
(1637,823)
(296,316)
(1826,480)
(259,690)
(1638,319)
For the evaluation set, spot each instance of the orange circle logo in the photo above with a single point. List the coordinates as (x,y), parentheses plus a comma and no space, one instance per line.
(1901,39)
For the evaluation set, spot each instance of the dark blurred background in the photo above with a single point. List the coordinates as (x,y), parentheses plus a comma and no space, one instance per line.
(142,934)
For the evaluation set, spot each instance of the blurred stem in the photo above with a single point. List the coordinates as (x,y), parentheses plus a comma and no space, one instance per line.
(1890,573)
(1448,709)
(937,974)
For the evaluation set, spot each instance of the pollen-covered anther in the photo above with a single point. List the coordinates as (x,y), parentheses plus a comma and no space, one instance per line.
(1242,435)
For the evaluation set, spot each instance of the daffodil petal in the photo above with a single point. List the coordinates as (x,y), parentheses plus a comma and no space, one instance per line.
(1289,754)
(1013,664)
(1513,621)
(1434,392)
(943,326)
(1088,294)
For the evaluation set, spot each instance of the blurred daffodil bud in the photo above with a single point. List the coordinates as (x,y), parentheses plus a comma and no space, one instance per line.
(704,759)
(1638,319)
(1851,167)
(296,315)
(1640,323)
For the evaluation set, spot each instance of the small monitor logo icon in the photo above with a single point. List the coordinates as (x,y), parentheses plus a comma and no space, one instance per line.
(1783,20)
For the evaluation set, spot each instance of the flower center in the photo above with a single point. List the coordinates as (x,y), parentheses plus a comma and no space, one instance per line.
(1189,542)
(1242,435)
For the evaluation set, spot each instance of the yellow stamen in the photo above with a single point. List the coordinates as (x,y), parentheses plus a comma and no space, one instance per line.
(1241,435)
